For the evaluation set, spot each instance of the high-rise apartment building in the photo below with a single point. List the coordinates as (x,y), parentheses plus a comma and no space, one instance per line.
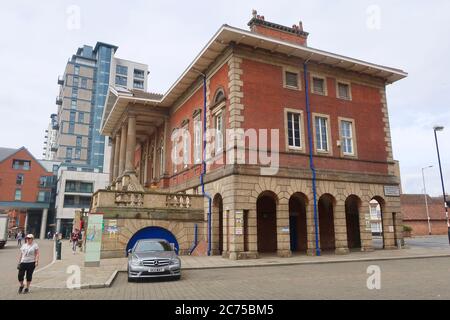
(83,152)
(83,90)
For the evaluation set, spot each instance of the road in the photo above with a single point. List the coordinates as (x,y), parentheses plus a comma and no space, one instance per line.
(401,279)
(8,262)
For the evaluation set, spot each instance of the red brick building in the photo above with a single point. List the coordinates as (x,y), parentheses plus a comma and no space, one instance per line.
(414,213)
(333,148)
(25,190)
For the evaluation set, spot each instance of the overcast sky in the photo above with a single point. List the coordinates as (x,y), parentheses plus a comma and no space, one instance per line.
(38,37)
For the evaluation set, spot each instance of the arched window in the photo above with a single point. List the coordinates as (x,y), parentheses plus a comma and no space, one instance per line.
(219,97)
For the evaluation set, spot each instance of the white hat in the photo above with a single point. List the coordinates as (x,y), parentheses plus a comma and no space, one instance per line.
(30,236)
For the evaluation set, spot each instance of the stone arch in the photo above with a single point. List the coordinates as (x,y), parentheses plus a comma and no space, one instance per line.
(377,206)
(298,204)
(353,205)
(327,234)
(132,226)
(153,232)
(217,225)
(266,205)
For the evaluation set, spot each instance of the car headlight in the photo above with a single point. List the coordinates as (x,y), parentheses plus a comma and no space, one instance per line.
(136,262)
(176,262)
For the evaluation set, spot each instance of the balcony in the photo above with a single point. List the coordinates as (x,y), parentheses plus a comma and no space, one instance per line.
(54,148)
(61,81)
(59,101)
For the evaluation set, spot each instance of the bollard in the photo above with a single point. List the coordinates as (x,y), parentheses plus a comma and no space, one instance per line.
(58,249)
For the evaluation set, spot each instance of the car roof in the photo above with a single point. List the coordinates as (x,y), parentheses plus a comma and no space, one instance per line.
(152,240)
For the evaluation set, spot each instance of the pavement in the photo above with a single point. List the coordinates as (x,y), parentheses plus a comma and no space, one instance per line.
(399,280)
(9,258)
(57,274)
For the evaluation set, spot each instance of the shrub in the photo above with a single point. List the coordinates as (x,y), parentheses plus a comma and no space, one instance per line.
(407,229)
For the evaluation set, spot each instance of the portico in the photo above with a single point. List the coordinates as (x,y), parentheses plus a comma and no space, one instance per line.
(133,118)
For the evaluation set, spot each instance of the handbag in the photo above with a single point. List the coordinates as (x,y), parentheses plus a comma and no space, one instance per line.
(18,266)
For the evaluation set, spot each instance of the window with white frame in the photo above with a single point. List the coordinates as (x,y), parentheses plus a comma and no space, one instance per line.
(175,150)
(218,120)
(161,158)
(343,90)
(186,146)
(198,138)
(18,195)
(321,124)
(347,137)
(294,130)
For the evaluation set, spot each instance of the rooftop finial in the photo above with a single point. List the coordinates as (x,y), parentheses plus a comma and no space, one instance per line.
(254,13)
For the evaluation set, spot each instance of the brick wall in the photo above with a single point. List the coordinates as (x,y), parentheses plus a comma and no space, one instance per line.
(8,176)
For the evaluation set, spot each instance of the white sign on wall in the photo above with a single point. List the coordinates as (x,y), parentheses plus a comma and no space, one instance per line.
(391,191)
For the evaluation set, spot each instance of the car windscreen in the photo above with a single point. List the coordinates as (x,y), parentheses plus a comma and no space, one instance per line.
(152,246)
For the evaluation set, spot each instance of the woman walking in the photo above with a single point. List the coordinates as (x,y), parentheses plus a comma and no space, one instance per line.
(28,261)
(19,238)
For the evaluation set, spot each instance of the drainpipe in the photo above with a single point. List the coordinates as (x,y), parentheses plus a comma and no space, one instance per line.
(194,245)
(202,177)
(311,157)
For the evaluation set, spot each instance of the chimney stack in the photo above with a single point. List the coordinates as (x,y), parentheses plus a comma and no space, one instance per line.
(295,34)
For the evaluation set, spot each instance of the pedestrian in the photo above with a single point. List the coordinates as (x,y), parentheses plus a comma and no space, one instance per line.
(74,239)
(28,261)
(19,238)
(49,235)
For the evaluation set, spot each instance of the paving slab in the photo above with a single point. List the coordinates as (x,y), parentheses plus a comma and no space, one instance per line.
(61,274)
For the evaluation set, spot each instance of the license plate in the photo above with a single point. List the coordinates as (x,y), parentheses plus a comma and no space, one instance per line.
(156,270)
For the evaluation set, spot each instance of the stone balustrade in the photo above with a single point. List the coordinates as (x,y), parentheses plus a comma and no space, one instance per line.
(127,199)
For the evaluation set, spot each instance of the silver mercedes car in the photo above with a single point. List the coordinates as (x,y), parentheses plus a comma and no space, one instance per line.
(153,258)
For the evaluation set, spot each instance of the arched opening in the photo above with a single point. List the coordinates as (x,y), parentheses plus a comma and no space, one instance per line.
(153,233)
(326,223)
(376,206)
(219,96)
(218,224)
(267,222)
(352,206)
(297,223)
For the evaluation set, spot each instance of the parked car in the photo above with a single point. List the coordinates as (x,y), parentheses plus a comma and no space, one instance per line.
(153,258)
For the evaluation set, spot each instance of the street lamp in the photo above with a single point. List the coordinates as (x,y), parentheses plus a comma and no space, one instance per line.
(436,129)
(426,197)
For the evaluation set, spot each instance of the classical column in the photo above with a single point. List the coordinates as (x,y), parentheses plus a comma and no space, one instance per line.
(111,161)
(43,224)
(123,146)
(115,168)
(131,144)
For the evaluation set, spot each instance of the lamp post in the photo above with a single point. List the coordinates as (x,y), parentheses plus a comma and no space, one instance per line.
(436,129)
(426,198)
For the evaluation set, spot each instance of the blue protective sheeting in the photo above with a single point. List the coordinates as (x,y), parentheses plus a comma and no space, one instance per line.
(153,233)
